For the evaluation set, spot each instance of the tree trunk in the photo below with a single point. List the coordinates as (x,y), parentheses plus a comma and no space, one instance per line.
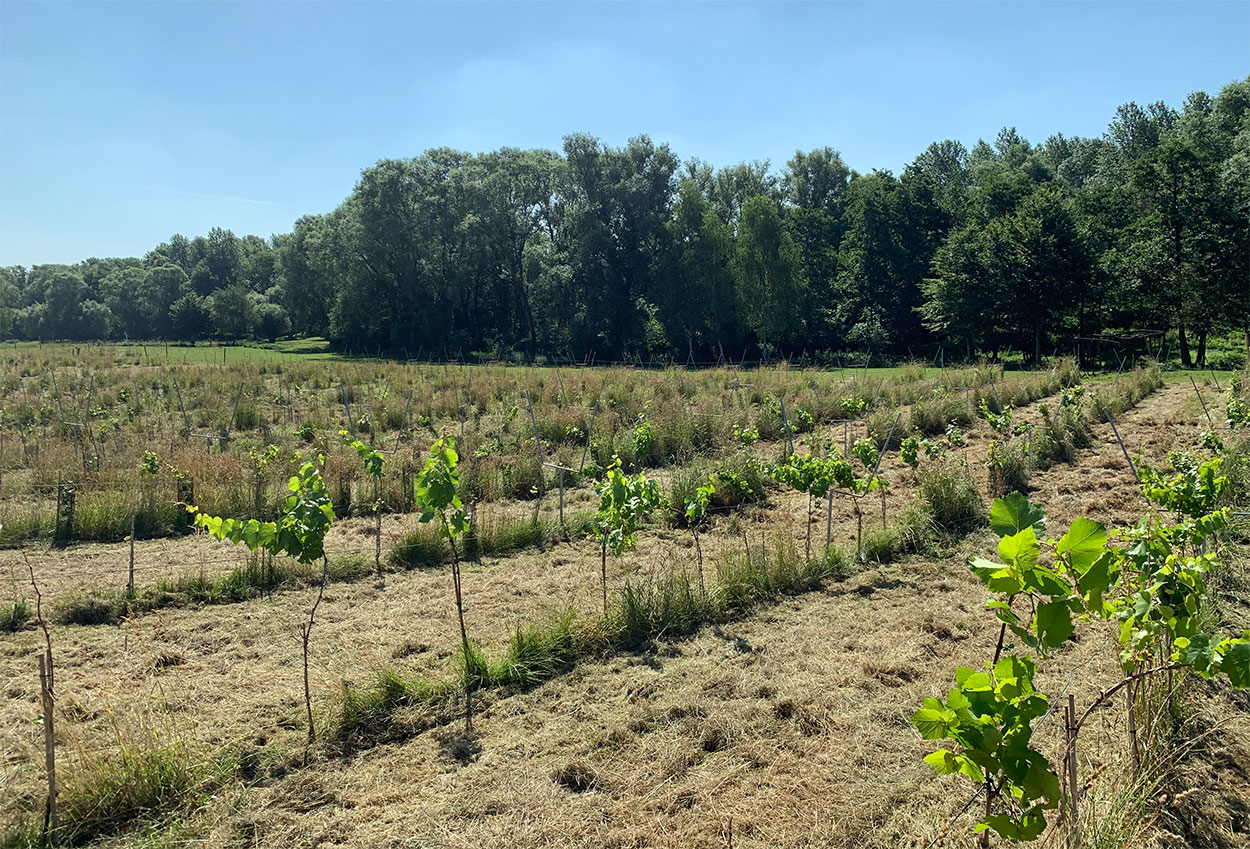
(1186,360)
(1202,349)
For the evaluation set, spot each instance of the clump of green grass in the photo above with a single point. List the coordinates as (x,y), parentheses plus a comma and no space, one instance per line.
(522,478)
(13,617)
(1008,464)
(908,532)
(365,711)
(667,606)
(419,548)
(749,577)
(932,414)
(881,425)
(537,652)
(139,781)
(950,496)
(495,538)
(423,546)
(90,609)
(251,580)
(20,834)
(104,516)
(21,521)
(1127,392)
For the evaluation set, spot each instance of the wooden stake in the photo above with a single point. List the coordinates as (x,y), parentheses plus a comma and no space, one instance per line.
(130,580)
(829,522)
(1130,693)
(1074,832)
(49,746)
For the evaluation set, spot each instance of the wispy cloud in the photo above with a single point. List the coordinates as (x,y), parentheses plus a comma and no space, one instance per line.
(218,197)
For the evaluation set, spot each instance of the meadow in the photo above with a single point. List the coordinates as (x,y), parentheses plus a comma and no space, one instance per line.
(763,652)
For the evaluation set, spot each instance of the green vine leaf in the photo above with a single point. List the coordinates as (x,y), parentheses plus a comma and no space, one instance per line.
(1013,514)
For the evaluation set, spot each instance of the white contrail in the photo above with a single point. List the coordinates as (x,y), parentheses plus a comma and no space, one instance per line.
(218,197)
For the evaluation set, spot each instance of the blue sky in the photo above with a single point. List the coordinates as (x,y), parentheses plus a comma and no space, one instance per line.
(121,124)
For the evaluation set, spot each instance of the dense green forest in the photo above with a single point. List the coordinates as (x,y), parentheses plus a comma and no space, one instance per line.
(623,252)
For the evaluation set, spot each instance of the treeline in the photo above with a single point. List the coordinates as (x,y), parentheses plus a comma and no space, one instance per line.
(616,252)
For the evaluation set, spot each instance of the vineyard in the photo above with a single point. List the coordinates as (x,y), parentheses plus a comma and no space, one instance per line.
(285,601)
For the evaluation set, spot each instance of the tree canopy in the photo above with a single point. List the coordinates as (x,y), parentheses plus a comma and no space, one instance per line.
(617,252)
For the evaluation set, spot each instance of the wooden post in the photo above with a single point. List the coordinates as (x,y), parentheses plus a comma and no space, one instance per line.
(1074,831)
(1130,693)
(130,580)
(49,745)
(377,546)
(56,527)
(829,523)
